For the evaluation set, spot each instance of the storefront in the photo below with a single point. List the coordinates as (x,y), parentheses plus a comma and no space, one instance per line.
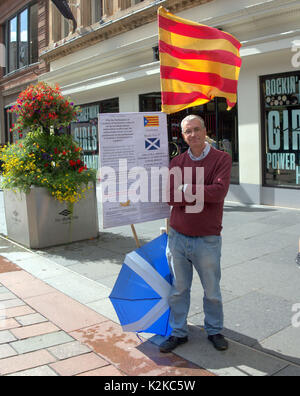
(269,129)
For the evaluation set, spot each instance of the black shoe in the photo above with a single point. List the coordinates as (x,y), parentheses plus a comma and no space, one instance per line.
(171,343)
(219,342)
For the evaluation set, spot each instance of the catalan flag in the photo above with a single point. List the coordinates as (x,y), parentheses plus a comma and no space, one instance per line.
(198,63)
(151,121)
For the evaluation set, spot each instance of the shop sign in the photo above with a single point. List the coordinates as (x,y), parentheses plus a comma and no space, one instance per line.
(281,107)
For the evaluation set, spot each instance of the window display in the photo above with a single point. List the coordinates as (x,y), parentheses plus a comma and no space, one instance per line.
(85,131)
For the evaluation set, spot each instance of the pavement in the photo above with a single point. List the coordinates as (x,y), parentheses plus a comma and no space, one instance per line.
(56,318)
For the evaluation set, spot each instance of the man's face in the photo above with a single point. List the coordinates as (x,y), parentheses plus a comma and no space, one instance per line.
(194,134)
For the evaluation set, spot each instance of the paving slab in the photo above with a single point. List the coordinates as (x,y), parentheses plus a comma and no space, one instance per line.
(68,350)
(6,336)
(78,364)
(7,266)
(284,344)
(25,285)
(289,371)
(78,287)
(17,311)
(273,315)
(15,302)
(38,266)
(70,316)
(6,296)
(95,271)
(36,343)
(107,371)
(105,308)
(32,319)
(6,351)
(34,330)
(7,324)
(42,371)
(26,361)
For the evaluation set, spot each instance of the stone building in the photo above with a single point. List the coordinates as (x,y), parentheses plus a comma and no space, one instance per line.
(110,64)
(23,35)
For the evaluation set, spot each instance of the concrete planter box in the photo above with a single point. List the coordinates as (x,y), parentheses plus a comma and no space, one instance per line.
(36,220)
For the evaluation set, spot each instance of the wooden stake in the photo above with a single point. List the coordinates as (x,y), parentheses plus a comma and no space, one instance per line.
(138,244)
(167,226)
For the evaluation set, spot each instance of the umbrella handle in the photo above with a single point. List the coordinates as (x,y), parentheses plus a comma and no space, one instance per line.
(138,244)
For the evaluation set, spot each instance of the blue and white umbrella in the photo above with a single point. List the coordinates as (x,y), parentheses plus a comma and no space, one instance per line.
(141,292)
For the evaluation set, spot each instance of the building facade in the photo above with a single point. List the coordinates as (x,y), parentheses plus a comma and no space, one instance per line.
(23,35)
(110,64)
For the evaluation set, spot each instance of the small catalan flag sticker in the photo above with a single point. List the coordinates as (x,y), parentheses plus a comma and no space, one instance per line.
(151,121)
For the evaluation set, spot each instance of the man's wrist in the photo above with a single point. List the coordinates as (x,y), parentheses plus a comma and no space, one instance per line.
(183,187)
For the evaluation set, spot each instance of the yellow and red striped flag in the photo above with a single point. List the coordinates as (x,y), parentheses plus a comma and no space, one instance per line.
(198,63)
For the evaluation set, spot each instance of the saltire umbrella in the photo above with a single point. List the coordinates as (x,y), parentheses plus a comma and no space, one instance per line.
(140,294)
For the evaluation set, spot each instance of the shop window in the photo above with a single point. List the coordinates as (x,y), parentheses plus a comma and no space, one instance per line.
(280,97)
(21,39)
(227,139)
(150,102)
(85,130)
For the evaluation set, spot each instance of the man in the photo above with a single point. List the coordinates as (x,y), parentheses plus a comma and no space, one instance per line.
(194,238)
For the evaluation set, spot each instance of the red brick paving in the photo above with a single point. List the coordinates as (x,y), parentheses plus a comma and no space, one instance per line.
(25,362)
(34,330)
(7,266)
(74,365)
(112,352)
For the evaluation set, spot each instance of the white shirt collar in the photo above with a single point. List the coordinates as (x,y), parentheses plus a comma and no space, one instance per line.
(203,155)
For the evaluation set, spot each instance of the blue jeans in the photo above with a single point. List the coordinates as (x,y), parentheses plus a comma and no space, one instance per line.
(204,253)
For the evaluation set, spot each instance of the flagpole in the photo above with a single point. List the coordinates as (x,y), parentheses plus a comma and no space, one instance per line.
(217,122)
(138,244)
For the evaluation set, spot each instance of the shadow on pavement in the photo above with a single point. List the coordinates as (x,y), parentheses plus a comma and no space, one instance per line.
(238,360)
(108,246)
(248,209)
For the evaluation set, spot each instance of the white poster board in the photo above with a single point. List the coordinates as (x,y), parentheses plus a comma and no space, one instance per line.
(133,146)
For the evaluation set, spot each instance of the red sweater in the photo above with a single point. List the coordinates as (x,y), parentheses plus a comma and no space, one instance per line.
(217,172)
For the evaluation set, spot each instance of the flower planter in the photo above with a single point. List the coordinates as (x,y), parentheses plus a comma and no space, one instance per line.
(47,162)
(36,220)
